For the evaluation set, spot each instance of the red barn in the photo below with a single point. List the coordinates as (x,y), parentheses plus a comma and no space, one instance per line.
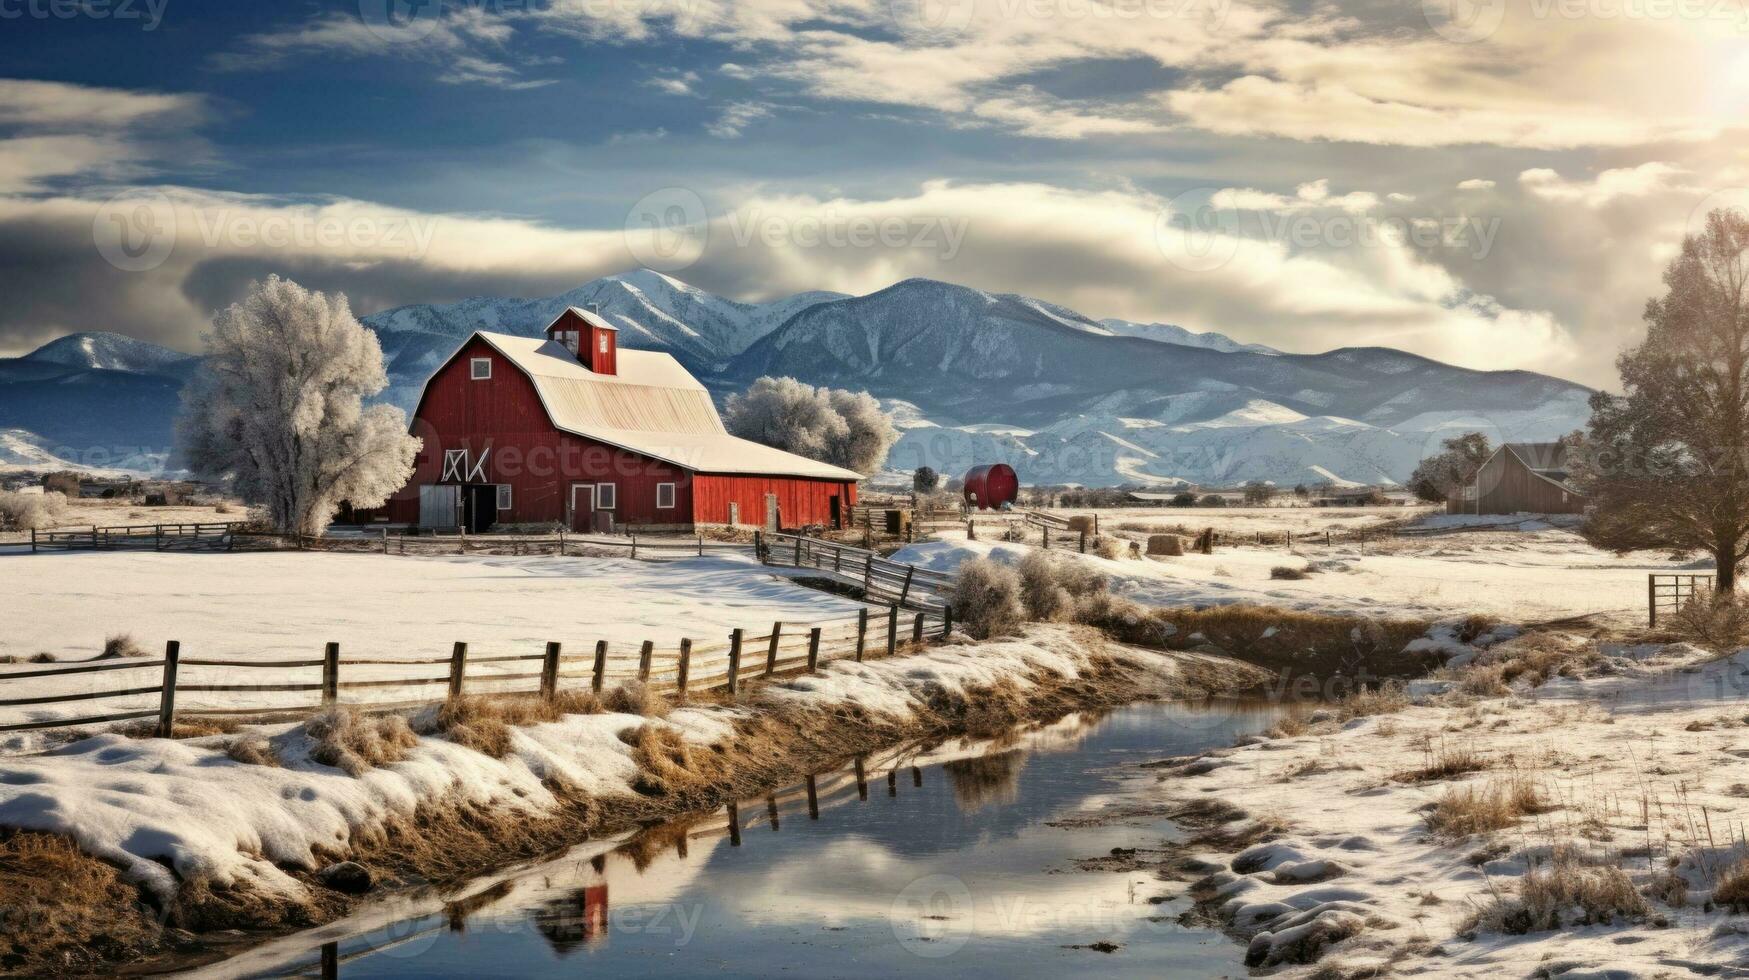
(522,430)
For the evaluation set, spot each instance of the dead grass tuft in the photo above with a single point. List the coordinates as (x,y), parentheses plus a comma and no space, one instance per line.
(42,657)
(121,645)
(1566,893)
(1466,810)
(634,698)
(986,599)
(1733,888)
(1289,573)
(62,909)
(1445,761)
(356,743)
(1717,622)
(253,750)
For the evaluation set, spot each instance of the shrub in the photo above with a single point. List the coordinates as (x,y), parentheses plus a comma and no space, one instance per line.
(1717,622)
(42,657)
(636,699)
(253,751)
(30,511)
(986,598)
(1212,500)
(1733,889)
(1289,572)
(1110,548)
(1044,597)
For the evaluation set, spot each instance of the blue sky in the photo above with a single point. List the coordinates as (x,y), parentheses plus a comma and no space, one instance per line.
(1492,182)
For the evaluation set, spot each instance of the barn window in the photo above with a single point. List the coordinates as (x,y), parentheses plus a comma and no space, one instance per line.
(604,496)
(480,369)
(665,495)
(503,496)
(602,343)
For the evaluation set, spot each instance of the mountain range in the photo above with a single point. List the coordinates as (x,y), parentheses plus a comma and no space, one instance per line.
(969,376)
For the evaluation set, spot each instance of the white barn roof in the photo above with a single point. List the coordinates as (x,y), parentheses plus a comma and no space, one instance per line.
(652,406)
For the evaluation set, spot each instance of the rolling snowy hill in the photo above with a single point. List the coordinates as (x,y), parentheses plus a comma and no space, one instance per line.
(970,376)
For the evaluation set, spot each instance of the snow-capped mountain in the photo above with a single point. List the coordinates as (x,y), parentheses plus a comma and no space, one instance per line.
(111,352)
(651,310)
(969,376)
(1173,334)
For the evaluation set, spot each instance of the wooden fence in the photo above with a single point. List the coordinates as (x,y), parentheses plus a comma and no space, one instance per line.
(1668,592)
(786,648)
(883,580)
(562,543)
(158,537)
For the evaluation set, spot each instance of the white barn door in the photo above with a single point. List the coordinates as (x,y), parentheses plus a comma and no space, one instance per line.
(440,505)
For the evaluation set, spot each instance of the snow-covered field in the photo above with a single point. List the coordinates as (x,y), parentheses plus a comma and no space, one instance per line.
(1519,576)
(1245,520)
(286,605)
(1641,771)
(85,513)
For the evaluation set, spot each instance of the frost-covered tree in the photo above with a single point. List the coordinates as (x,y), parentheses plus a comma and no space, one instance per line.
(832,425)
(1667,461)
(925,479)
(277,410)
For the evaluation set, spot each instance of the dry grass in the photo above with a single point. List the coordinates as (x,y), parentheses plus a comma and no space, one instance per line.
(1111,548)
(1289,573)
(636,699)
(1445,761)
(253,750)
(1466,810)
(1733,888)
(59,917)
(1567,893)
(121,645)
(42,657)
(484,722)
(356,743)
(1319,644)
(1537,658)
(1385,699)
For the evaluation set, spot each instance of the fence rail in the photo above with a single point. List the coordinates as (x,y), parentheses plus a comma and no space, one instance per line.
(1669,592)
(883,580)
(784,649)
(158,537)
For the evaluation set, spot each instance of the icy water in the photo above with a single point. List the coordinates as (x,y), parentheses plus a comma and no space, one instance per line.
(940,860)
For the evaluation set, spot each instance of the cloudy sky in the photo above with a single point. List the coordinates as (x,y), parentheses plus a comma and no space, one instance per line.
(1494,183)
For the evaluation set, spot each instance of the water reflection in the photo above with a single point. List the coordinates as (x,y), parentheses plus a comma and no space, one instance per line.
(934,857)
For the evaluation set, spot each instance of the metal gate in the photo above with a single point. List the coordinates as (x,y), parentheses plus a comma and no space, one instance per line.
(1669,593)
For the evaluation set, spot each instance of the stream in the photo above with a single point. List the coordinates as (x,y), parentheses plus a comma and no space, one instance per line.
(926,860)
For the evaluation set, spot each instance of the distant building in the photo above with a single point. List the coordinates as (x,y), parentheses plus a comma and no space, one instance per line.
(569,428)
(1521,478)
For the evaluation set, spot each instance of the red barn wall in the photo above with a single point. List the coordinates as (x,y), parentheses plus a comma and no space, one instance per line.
(527,452)
(799,499)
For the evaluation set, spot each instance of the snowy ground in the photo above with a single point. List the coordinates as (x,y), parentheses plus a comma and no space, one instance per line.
(1645,770)
(166,811)
(286,605)
(1520,576)
(1246,520)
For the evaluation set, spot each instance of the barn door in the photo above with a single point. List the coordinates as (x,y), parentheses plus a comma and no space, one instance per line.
(773,518)
(582,507)
(440,505)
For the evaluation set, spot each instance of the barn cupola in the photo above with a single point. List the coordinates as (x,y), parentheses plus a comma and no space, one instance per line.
(591,339)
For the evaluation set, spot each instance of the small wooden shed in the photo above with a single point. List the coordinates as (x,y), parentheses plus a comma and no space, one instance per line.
(1521,478)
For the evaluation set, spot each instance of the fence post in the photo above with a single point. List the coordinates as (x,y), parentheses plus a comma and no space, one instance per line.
(701,546)
(1044,533)
(1084,541)
(644,656)
(158,538)
(867,574)
(905,592)
(458,664)
(734,657)
(549,673)
(813,649)
(917,633)
(600,673)
(798,550)
(759,544)
(685,669)
(861,632)
(167,696)
(1651,601)
(892,630)
(971,530)
(33,540)
(837,558)
(331,674)
(947,623)
(1095,523)
(771,651)
(634,543)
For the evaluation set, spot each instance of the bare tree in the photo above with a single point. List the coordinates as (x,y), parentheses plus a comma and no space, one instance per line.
(1257,493)
(277,410)
(834,426)
(1442,475)
(1668,460)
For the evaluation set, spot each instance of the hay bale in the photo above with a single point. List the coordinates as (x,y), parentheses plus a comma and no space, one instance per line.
(1165,544)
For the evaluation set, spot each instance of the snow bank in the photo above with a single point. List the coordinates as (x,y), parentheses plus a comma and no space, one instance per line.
(1641,768)
(169,811)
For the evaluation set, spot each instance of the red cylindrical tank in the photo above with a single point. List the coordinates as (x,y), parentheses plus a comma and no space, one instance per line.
(990,486)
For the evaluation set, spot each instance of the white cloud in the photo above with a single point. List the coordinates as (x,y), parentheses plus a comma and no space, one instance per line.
(1475,184)
(680,83)
(736,117)
(1610,185)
